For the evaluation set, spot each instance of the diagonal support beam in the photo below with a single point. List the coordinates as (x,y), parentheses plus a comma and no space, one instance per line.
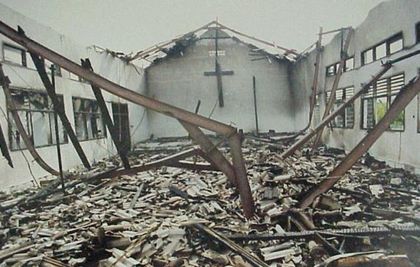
(144,53)
(332,115)
(114,88)
(21,129)
(331,100)
(155,105)
(4,148)
(314,88)
(122,152)
(59,107)
(216,157)
(236,173)
(404,97)
(241,176)
(169,160)
(195,166)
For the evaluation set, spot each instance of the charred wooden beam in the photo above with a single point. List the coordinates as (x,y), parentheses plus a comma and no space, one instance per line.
(211,151)
(230,244)
(122,151)
(235,172)
(340,109)
(172,159)
(254,90)
(316,76)
(7,253)
(331,99)
(59,107)
(333,114)
(196,166)
(57,135)
(287,50)
(4,148)
(242,182)
(21,129)
(159,47)
(368,231)
(114,88)
(404,97)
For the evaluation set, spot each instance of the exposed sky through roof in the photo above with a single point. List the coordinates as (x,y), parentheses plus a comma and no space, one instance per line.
(131,25)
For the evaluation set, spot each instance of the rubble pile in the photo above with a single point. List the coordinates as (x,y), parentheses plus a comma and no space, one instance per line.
(177,217)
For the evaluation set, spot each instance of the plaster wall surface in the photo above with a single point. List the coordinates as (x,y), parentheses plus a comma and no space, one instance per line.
(180,81)
(27,78)
(399,149)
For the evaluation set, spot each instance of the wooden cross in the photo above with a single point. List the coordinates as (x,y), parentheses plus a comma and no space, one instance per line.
(218,73)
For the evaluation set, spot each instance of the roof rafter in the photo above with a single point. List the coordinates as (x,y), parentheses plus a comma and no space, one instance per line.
(159,47)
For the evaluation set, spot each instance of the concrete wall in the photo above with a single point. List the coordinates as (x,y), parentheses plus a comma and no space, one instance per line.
(385,20)
(180,81)
(103,63)
(283,89)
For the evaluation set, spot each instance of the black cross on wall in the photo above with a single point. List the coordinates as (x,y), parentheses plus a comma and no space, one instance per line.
(218,73)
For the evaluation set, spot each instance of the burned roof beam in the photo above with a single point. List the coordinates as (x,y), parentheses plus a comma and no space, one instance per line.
(160,46)
(331,100)
(21,129)
(169,160)
(4,148)
(211,151)
(122,151)
(150,103)
(59,107)
(332,115)
(314,89)
(287,50)
(385,67)
(403,98)
(114,88)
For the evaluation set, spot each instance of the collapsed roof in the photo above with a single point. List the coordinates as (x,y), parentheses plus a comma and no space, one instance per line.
(208,31)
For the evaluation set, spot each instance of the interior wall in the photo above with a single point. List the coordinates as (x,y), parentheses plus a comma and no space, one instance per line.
(282,89)
(385,20)
(180,81)
(22,77)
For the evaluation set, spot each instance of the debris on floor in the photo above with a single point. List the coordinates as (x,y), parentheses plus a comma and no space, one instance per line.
(177,217)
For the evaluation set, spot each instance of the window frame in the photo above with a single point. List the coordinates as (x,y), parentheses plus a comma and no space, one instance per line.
(345,64)
(388,95)
(26,58)
(317,108)
(364,57)
(387,42)
(329,67)
(396,37)
(30,111)
(341,101)
(14,47)
(73,76)
(103,136)
(57,68)
(336,65)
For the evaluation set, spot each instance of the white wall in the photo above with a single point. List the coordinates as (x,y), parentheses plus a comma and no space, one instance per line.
(180,81)
(282,90)
(385,20)
(103,63)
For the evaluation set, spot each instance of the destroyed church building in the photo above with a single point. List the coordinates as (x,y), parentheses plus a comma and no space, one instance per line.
(282,114)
